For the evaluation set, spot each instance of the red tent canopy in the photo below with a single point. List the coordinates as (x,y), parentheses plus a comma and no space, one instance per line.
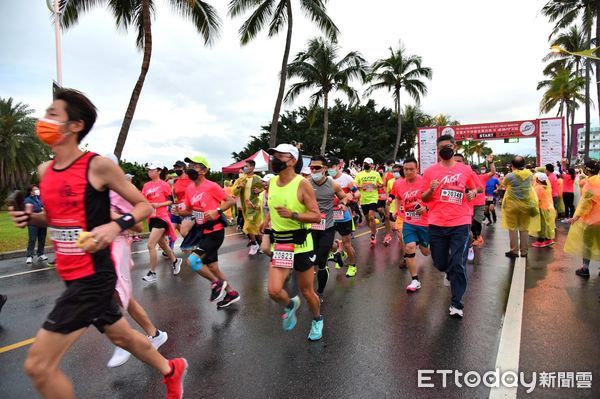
(260,157)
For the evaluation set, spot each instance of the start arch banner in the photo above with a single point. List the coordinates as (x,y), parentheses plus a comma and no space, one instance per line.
(549,134)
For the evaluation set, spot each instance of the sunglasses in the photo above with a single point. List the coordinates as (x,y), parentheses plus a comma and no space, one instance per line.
(315,167)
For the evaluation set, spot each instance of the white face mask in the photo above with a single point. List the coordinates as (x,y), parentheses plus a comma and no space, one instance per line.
(317,176)
(36,192)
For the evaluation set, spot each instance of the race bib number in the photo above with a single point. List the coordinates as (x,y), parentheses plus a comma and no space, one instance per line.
(489,197)
(65,240)
(452,196)
(283,256)
(369,187)
(412,216)
(199,217)
(338,214)
(321,225)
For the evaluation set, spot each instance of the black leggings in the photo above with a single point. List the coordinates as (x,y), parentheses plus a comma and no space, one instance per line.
(569,199)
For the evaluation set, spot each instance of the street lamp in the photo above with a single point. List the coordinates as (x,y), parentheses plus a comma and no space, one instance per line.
(55,10)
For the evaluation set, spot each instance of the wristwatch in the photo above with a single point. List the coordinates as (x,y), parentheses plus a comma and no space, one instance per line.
(294,215)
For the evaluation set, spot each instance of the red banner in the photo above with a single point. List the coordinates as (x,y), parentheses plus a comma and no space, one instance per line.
(490,131)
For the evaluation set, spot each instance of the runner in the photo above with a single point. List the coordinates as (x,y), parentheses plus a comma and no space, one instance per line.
(344,223)
(478,203)
(470,252)
(160,195)
(263,201)
(491,194)
(75,187)
(248,187)
(397,174)
(449,186)
(121,254)
(368,182)
(407,194)
(323,233)
(179,186)
(206,201)
(292,208)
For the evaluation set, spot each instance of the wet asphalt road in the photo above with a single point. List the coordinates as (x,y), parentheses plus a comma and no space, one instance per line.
(376,335)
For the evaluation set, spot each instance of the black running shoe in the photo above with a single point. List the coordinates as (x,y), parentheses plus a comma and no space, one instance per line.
(582,272)
(230,298)
(218,290)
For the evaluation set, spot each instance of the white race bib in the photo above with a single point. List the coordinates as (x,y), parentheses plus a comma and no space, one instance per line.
(65,240)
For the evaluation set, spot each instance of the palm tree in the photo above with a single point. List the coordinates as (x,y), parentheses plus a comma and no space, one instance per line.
(21,151)
(136,14)
(318,67)
(278,13)
(399,71)
(565,13)
(443,120)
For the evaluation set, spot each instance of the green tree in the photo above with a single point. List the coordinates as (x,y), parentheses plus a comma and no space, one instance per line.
(400,71)
(319,67)
(21,151)
(276,14)
(137,15)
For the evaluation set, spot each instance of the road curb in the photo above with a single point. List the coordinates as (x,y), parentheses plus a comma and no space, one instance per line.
(48,250)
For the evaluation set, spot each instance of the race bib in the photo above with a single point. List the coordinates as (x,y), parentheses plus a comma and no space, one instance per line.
(321,225)
(412,216)
(369,187)
(283,256)
(338,214)
(489,197)
(199,217)
(452,196)
(65,240)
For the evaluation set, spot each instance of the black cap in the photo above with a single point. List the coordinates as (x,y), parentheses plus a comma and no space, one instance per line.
(333,161)
(179,164)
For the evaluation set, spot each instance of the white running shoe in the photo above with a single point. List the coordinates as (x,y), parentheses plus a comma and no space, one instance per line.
(413,286)
(454,312)
(446,281)
(160,339)
(42,258)
(471,255)
(253,249)
(177,266)
(150,277)
(29,260)
(119,357)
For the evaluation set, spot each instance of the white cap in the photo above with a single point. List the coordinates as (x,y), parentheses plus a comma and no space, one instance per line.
(155,165)
(268,177)
(305,171)
(541,176)
(129,176)
(112,157)
(286,149)
(368,160)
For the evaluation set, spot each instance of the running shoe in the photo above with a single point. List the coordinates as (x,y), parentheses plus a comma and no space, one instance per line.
(29,260)
(165,254)
(289,315)
(160,339)
(253,249)
(218,290)
(231,298)
(177,266)
(351,271)
(456,313)
(387,240)
(583,272)
(42,258)
(523,254)
(510,254)
(537,244)
(478,241)
(316,330)
(150,277)
(120,356)
(471,254)
(373,241)
(174,381)
(339,262)
(550,243)
(413,286)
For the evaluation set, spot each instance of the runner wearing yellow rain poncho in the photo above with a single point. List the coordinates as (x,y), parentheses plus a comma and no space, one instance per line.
(584,235)
(543,190)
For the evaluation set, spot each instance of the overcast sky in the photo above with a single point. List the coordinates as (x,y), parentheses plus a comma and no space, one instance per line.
(486,58)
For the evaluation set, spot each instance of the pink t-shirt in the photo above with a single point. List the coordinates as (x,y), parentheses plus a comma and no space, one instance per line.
(568,183)
(554,184)
(449,206)
(203,198)
(409,195)
(480,199)
(157,192)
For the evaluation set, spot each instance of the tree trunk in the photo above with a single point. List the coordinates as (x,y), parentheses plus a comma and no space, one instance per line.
(140,82)
(325,122)
(586,151)
(566,142)
(282,78)
(569,142)
(399,128)
(597,62)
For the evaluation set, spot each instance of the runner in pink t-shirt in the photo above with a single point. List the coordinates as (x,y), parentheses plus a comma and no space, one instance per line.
(448,187)
(479,203)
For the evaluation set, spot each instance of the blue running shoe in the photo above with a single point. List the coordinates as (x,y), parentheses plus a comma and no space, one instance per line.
(316,330)
(289,315)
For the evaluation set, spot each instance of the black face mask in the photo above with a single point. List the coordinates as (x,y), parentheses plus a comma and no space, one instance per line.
(192,174)
(277,165)
(446,153)
(179,172)
(366,166)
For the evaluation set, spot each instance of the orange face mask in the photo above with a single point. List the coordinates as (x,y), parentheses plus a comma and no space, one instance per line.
(48,131)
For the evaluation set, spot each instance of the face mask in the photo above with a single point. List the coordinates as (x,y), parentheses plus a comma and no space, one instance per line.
(179,172)
(366,166)
(170,181)
(332,172)
(192,174)
(397,175)
(48,131)
(36,192)
(277,165)
(446,153)
(245,169)
(388,169)
(317,176)
(483,171)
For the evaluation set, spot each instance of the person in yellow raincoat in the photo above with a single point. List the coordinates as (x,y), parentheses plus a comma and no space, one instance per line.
(584,235)
(560,206)
(247,188)
(229,212)
(545,234)
(520,211)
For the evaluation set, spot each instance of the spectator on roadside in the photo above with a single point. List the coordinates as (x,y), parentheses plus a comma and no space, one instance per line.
(35,233)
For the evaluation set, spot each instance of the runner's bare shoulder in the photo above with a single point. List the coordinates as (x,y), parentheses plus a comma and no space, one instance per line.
(42,168)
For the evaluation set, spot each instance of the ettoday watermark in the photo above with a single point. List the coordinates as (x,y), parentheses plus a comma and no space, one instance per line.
(508,379)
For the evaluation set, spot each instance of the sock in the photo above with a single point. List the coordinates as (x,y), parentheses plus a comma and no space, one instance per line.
(494,216)
(415,278)
(157,333)
(318,318)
